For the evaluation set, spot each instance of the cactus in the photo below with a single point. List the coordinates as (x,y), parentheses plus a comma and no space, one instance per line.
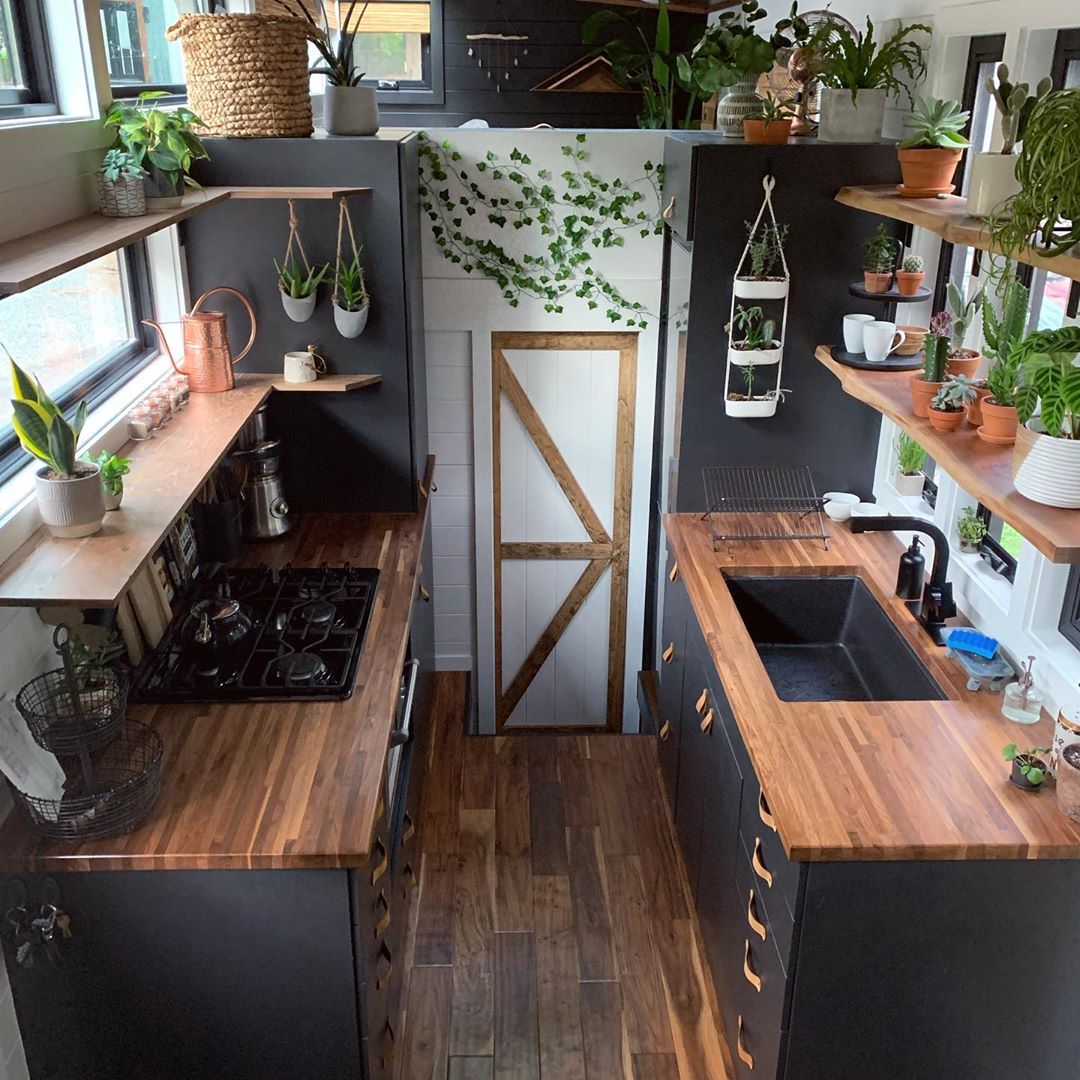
(914,264)
(1003,332)
(1015,105)
(936,348)
(963,315)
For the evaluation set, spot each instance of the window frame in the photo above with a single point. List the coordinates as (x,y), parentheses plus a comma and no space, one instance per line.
(1066,49)
(1069,621)
(37,94)
(130,91)
(991,552)
(433,92)
(113,370)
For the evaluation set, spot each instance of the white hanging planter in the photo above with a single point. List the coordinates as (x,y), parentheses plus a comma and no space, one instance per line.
(758,407)
(351,324)
(756,357)
(770,289)
(299,308)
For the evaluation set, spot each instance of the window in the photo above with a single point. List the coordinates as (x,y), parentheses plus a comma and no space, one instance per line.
(398,46)
(1069,624)
(25,74)
(138,55)
(79,333)
(1000,547)
(929,488)
(1065,69)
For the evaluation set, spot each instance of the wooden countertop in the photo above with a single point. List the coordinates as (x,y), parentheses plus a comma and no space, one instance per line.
(869,780)
(271,785)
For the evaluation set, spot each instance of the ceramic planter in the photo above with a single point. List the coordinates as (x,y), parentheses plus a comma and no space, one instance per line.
(928,172)
(299,309)
(909,484)
(161,192)
(998,422)
(966,364)
(71,506)
(1046,469)
(755,357)
(922,393)
(115,496)
(992,182)
(907,283)
(769,289)
(968,546)
(1017,778)
(350,110)
(974,410)
(735,105)
(943,420)
(847,121)
(775,133)
(125,197)
(876,281)
(351,324)
(759,407)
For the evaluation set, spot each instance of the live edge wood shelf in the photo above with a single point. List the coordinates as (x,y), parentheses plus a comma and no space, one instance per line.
(41,256)
(948,217)
(981,469)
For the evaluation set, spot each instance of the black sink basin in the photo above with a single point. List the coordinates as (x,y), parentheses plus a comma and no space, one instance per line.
(828,639)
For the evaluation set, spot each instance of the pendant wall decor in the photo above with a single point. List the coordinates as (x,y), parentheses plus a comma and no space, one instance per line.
(498,54)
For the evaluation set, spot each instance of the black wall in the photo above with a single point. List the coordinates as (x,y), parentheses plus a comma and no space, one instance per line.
(554,29)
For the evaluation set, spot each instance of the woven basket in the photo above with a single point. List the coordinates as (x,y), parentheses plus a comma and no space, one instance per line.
(247,75)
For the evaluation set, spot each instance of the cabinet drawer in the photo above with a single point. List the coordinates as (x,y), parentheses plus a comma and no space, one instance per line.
(761,910)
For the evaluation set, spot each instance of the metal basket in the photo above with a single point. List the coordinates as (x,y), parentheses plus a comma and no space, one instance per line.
(112,797)
(72,724)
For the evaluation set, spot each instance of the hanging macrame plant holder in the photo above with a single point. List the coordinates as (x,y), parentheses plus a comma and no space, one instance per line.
(755,374)
(298,308)
(349,323)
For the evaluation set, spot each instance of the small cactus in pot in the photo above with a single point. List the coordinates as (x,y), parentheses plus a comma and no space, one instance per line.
(911,275)
(121,192)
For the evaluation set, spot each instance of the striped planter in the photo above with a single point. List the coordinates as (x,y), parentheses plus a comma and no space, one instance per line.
(125,197)
(1044,469)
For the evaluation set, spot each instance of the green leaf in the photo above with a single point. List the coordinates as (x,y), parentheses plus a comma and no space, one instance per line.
(25,389)
(62,445)
(80,419)
(31,424)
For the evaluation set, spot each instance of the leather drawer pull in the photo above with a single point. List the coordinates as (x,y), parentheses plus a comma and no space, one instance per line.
(410,829)
(423,592)
(421,489)
(752,918)
(409,874)
(673,573)
(665,731)
(385,957)
(707,721)
(699,705)
(752,977)
(668,654)
(764,812)
(669,210)
(383,863)
(740,1045)
(760,868)
(383,905)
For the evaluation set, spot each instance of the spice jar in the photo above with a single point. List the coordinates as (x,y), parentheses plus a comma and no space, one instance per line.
(1068,782)
(140,424)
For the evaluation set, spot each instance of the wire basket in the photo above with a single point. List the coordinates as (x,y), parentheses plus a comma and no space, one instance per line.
(68,723)
(110,797)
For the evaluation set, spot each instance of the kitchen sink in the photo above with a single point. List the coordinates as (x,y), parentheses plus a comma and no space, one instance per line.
(828,639)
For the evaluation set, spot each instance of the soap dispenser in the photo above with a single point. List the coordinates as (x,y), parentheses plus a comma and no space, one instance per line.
(909,580)
(1022,702)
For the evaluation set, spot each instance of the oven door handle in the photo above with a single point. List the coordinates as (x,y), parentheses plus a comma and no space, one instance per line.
(401,735)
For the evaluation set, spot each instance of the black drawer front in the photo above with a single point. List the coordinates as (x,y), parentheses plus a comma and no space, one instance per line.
(778,875)
(769,909)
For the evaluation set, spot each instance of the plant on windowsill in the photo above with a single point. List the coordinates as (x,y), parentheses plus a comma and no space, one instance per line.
(962,313)
(910,459)
(926,383)
(120,185)
(69,492)
(113,470)
(771,123)
(996,420)
(910,275)
(161,141)
(758,344)
(970,529)
(948,405)
(880,260)
(1029,771)
(767,279)
(928,159)
(299,287)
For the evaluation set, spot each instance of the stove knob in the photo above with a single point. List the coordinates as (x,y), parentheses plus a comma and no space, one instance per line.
(279,508)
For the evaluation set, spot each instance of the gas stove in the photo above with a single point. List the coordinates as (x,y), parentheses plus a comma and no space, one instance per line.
(306,633)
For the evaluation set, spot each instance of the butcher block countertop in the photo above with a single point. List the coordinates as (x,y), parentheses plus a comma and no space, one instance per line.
(869,780)
(271,785)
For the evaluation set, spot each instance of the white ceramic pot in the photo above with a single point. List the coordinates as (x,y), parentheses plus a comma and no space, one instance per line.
(351,324)
(350,110)
(71,506)
(755,357)
(299,309)
(735,105)
(910,486)
(1044,469)
(748,289)
(750,409)
(843,120)
(993,180)
(113,501)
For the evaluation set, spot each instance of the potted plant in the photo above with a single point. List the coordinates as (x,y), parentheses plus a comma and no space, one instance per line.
(928,159)
(758,344)
(120,185)
(69,493)
(948,405)
(926,383)
(910,459)
(299,287)
(771,123)
(766,280)
(1002,333)
(910,275)
(113,469)
(857,75)
(880,261)
(1046,457)
(962,360)
(971,529)
(1029,770)
(351,300)
(993,176)
(162,142)
(748,404)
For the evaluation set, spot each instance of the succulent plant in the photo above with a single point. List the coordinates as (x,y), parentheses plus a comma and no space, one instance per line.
(1014,105)
(963,314)
(936,124)
(957,392)
(914,264)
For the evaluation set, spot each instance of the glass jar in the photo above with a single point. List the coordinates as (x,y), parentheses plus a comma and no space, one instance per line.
(140,424)
(153,405)
(183,388)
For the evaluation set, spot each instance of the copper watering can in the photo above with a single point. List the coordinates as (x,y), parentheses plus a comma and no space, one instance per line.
(207,362)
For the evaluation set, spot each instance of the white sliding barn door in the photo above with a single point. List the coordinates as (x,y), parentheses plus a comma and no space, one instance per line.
(563,434)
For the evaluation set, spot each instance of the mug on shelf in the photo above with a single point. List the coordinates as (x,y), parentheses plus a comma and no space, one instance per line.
(853,331)
(304,367)
(879,339)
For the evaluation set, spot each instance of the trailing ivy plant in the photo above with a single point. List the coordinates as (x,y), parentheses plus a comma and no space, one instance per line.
(576,213)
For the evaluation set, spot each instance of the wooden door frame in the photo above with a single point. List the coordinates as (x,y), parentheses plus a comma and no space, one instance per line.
(602,550)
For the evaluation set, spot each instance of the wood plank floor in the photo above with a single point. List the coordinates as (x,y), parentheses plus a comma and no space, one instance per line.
(552,938)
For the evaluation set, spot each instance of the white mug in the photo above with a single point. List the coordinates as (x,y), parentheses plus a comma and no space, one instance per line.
(302,367)
(879,339)
(853,331)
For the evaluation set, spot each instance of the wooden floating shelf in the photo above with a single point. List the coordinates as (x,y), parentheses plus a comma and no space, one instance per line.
(339,384)
(686,7)
(41,256)
(981,469)
(948,217)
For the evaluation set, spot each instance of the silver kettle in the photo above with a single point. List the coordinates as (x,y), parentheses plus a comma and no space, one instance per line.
(266,511)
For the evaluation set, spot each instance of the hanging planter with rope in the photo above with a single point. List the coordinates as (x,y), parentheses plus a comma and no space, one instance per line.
(298,281)
(351,300)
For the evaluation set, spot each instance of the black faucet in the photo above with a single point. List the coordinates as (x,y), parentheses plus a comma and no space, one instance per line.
(937,602)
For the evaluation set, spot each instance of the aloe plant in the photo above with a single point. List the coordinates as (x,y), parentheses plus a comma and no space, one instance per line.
(297,283)
(41,427)
(352,291)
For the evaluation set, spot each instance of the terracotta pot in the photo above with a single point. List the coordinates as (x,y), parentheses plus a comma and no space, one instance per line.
(967,363)
(929,171)
(945,421)
(999,421)
(922,393)
(876,282)
(974,410)
(907,283)
(775,133)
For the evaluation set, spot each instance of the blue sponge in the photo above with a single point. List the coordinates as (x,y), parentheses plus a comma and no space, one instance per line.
(971,641)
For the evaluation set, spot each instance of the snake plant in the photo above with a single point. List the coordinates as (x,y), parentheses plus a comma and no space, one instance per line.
(40,425)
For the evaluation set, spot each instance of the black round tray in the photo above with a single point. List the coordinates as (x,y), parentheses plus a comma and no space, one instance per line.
(890,363)
(890,297)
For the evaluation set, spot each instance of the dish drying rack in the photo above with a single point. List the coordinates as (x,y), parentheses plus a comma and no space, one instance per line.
(783,498)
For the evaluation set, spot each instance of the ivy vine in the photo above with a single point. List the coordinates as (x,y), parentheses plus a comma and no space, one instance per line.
(576,213)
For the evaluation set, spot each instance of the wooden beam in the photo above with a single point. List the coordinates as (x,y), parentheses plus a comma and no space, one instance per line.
(556,550)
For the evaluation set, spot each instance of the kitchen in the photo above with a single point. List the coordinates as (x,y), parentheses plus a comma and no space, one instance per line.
(446,688)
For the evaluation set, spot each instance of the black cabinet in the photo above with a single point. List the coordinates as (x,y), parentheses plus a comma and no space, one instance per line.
(670,677)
